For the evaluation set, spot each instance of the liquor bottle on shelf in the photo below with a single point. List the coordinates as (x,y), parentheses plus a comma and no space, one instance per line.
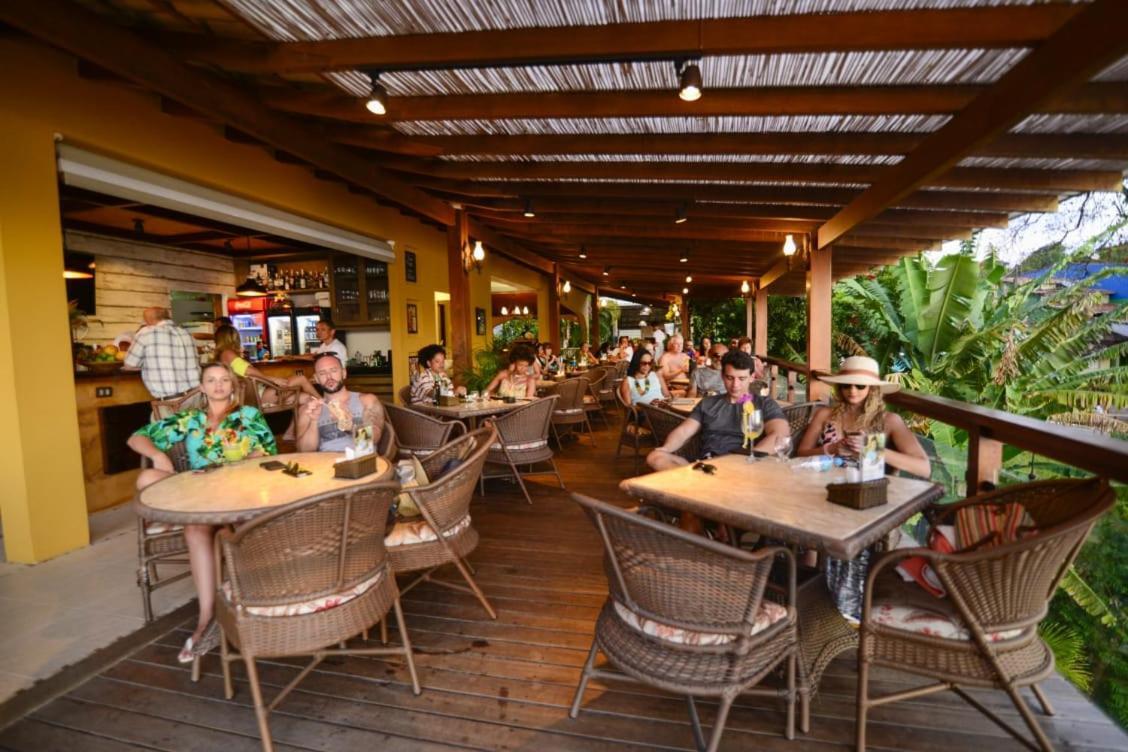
(301,279)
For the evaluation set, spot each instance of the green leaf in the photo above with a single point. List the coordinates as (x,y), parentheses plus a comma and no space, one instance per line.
(1068,647)
(952,288)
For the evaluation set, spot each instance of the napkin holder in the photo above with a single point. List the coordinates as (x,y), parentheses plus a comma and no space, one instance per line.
(448,400)
(861,495)
(355,468)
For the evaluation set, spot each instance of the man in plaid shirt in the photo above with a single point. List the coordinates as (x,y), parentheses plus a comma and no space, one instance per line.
(165,354)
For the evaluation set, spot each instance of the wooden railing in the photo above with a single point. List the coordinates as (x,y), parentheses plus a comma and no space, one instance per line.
(989,429)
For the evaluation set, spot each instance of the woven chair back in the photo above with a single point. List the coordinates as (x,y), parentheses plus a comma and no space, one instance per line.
(405,395)
(621,369)
(526,424)
(596,377)
(570,407)
(798,416)
(285,397)
(661,421)
(178,453)
(447,498)
(310,549)
(414,430)
(663,573)
(1009,586)
(388,445)
(193,400)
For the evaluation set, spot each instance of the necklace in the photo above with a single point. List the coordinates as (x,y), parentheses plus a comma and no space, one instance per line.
(642,386)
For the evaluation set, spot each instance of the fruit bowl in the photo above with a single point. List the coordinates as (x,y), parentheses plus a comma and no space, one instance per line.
(102,366)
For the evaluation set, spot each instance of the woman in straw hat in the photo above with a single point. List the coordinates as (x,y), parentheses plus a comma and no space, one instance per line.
(858,406)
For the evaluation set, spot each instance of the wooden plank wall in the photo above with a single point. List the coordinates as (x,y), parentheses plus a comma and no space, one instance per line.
(132,276)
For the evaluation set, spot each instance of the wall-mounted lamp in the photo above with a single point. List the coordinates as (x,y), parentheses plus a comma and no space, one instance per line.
(789,246)
(745,288)
(475,257)
(567,288)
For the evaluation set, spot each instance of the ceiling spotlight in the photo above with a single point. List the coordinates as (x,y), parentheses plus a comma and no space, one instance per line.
(567,288)
(681,215)
(745,288)
(377,102)
(685,291)
(684,257)
(688,279)
(504,311)
(622,287)
(529,209)
(583,252)
(606,271)
(789,246)
(690,82)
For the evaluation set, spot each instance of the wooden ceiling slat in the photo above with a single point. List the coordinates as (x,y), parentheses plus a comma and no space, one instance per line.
(797,172)
(1086,43)
(1015,145)
(882,30)
(1094,98)
(91,36)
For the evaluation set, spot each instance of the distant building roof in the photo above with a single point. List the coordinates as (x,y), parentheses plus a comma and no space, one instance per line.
(1116,285)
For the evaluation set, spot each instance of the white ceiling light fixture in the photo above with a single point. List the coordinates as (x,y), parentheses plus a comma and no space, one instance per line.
(567,288)
(583,252)
(789,246)
(684,257)
(525,310)
(377,102)
(689,82)
(685,291)
(688,278)
(745,288)
(504,311)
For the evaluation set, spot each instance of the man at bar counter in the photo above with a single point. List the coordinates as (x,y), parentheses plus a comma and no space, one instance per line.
(165,354)
(327,336)
(328,424)
(720,418)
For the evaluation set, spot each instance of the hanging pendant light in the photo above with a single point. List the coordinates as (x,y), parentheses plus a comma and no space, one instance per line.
(528,212)
(690,84)
(251,288)
(525,310)
(745,288)
(681,215)
(504,311)
(377,102)
(583,252)
(789,247)
(684,258)
(688,278)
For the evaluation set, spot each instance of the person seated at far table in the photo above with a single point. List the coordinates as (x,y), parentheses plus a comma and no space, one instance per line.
(430,376)
(859,407)
(674,363)
(720,419)
(744,344)
(223,432)
(585,357)
(624,350)
(327,424)
(515,381)
(549,362)
(643,384)
(707,379)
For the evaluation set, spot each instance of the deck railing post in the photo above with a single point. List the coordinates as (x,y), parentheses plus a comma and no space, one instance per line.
(984,459)
(819,285)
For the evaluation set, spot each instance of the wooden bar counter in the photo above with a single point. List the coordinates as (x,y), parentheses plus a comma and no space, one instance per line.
(111,406)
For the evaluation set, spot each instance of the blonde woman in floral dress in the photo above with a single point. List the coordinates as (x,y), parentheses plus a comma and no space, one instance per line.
(222,432)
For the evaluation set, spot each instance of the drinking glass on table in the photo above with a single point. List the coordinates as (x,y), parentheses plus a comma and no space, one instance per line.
(753,428)
(782,448)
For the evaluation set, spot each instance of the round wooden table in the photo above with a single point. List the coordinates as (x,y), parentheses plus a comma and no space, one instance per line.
(239,491)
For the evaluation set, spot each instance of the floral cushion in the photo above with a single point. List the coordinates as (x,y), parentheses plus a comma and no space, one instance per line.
(157,528)
(936,622)
(324,603)
(418,531)
(769,613)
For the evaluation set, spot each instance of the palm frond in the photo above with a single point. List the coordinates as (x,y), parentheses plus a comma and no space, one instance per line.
(847,344)
(1087,598)
(1068,647)
(1078,399)
(952,288)
(1103,422)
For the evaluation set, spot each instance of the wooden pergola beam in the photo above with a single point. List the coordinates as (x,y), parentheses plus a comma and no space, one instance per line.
(663,40)
(1085,44)
(1015,145)
(90,36)
(1095,98)
(796,172)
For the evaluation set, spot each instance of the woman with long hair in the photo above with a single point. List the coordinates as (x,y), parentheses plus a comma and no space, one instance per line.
(430,376)
(643,383)
(222,432)
(515,381)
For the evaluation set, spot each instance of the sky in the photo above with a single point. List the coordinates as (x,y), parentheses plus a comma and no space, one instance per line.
(1077,219)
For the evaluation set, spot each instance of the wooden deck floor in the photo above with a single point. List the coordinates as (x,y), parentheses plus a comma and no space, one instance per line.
(502,684)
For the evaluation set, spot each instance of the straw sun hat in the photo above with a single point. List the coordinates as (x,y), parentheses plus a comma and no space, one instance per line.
(860,370)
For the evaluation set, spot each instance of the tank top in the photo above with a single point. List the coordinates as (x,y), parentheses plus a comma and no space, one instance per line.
(509,388)
(330,438)
(652,391)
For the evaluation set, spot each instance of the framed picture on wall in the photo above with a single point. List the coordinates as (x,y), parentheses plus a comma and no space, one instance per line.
(480,321)
(412,318)
(409,266)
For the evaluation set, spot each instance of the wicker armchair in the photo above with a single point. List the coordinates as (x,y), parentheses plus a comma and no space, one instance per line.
(593,407)
(688,615)
(662,422)
(523,441)
(445,506)
(159,543)
(798,416)
(635,430)
(302,579)
(270,398)
(388,445)
(606,390)
(569,410)
(192,399)
(996,596)
(420,434)
(405,395)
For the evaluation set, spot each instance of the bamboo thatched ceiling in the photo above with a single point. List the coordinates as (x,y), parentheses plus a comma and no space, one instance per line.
(845,120)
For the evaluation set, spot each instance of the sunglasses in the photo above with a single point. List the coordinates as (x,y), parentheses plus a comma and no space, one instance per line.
(645,362)
(858,387)
(705,467)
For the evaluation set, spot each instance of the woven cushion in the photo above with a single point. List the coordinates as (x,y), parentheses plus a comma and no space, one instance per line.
(324,603)
(418,531)
(156,528)
(768,615)
(496,446)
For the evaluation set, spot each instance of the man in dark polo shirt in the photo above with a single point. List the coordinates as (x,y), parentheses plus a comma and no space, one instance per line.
(720,418)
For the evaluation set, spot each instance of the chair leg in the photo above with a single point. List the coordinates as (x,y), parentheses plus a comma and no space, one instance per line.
(196,669)
(1044,701)
(695,724)
(590,430)
(521,482)
(585,674)
(863,703)
(415,688)
(474,586)
(260,708)
(1028,717)
(384,631)
(146,592)
(556,472)
(789,731)
(225,664)
(719,723)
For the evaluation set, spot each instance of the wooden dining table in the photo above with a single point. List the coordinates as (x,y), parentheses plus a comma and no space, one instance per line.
(470,412)
(780,501)
(239,491)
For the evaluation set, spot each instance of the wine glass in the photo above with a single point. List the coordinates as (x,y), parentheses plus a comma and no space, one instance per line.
(753,428)
(782,448)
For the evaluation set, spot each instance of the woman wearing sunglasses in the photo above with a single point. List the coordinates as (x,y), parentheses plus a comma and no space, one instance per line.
(858,407)
(643,383)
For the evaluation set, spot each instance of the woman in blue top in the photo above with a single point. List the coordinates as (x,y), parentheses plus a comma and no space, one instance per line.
(222,432)
(643,384)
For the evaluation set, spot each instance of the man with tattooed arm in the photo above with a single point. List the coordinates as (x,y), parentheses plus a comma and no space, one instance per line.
(327,424)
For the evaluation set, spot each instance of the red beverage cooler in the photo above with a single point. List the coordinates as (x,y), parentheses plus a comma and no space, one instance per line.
(249,317)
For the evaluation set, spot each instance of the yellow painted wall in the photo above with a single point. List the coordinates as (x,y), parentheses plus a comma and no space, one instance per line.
(48,98)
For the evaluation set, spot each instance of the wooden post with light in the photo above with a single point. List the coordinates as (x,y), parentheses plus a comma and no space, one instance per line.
(553,310)
(460,261)
(819,285)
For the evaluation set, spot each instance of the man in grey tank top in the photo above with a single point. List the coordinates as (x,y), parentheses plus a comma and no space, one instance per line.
(327,424)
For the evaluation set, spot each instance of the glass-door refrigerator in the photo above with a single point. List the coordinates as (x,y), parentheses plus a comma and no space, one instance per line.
(280,329)
(248,316)
(305,325)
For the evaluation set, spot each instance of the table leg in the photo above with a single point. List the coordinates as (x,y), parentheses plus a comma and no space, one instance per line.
(823,635)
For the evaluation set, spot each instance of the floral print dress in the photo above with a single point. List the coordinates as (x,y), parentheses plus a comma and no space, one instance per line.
(241,433)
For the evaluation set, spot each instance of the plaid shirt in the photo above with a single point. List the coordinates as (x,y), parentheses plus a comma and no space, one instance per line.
(166,355)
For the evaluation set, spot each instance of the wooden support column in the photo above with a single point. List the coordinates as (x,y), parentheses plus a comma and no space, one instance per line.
(458,245)
(819,284)
(553,310)
(760,338)
(749,316)
(687,331)
(984,458)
